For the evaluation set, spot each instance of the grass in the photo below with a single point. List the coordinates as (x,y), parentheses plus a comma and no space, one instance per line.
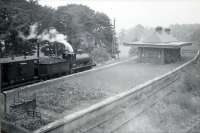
(57,100)
(175,112)
(62,99)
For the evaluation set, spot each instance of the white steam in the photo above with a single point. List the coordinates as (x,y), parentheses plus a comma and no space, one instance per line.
(51,35)
(33,32)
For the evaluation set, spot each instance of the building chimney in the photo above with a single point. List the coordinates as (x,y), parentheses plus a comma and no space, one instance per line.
(167,30)
(159,29)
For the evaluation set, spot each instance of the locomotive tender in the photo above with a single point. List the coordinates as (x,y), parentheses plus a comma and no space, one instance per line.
(24,70)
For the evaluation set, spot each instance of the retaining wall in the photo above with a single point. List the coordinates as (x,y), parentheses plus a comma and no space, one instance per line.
(90,118)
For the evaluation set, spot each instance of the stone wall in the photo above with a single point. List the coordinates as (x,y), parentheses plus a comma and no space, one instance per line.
(11,128)
(159,55)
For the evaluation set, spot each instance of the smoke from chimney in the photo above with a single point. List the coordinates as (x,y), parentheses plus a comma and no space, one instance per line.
(32,34)
(167,30)
(159,29)
(51,35)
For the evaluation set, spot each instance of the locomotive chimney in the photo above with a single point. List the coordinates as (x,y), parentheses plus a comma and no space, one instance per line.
(167,30)
(159,29)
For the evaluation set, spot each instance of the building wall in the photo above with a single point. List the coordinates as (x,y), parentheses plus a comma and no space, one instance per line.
(151,55)
(158,55)
(172,55)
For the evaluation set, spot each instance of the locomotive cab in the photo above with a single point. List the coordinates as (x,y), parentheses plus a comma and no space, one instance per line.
(71,58)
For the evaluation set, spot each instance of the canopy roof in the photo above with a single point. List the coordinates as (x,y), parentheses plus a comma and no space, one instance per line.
(159,40)
(156,37)
(160,45)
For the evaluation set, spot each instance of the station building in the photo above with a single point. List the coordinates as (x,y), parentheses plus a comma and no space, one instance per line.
(159,47)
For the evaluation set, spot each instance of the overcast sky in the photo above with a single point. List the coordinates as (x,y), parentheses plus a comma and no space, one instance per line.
(129,13)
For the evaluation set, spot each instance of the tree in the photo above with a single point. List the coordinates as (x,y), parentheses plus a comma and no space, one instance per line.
(16,17)
(121,36)
(85,28)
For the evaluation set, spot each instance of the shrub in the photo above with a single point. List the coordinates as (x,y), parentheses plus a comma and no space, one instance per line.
(100,55)
(191,82)
(189,97)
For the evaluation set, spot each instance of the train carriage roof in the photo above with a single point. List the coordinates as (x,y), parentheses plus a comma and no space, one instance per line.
(17,59)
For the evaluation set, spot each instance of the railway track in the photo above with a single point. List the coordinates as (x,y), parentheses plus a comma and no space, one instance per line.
(116,122)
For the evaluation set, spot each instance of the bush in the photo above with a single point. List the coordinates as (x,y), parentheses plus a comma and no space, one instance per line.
(100,55)
(191,81)
(189,95)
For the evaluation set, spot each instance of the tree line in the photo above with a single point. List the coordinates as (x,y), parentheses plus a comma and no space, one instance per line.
(85,29)
(183,32)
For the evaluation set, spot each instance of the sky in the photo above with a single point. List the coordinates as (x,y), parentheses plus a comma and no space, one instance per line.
(149,13)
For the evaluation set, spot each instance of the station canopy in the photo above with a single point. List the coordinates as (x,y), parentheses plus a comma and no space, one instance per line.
(159,39)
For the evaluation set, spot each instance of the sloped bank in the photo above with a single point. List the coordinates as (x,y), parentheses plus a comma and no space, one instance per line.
(98,117)
(176,109)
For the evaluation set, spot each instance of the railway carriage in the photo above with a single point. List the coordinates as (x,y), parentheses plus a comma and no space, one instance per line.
(17,70)
(22,70)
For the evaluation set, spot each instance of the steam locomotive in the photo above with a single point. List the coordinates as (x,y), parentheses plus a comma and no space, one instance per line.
(24,70)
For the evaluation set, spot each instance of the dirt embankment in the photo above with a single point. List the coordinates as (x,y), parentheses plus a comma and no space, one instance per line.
(178,111)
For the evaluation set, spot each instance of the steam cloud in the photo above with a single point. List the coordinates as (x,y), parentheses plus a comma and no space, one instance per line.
(51,35)
(33,33)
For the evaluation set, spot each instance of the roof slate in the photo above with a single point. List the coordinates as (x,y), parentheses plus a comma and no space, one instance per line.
(156,37)
(159,40)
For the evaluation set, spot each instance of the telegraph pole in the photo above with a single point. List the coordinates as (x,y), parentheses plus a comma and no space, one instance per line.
(114,45)
(113,39)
